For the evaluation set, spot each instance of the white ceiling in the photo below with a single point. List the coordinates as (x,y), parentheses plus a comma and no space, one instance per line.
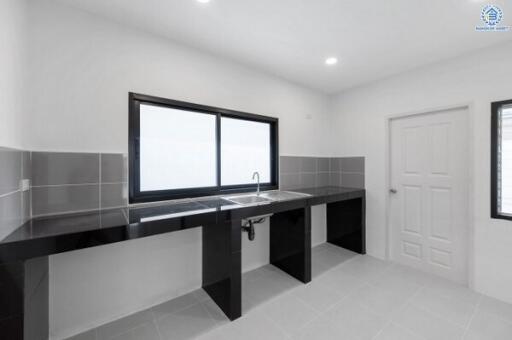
(291,38)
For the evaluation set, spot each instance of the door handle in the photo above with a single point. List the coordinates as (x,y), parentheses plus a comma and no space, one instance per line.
(393,191)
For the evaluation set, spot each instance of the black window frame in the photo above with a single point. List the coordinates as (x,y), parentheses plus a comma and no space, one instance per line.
(136,196)
(495,154)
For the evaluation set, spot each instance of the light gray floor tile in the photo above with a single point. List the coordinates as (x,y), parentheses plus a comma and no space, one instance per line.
(255,326)
(145,332)
(317,296)
(498,308)
(355,297)
(320,328)
(354,321)
(340,281)
(453,310)
(89,335)
(187,323)
(330,258)
(124,325)
(400,279)
(365,267)
(269,286)
(175,305)
(215,312)
(394,332)
(379,300)
(485,326)
(289,313)
(452,291)
(426,324)
(201,295)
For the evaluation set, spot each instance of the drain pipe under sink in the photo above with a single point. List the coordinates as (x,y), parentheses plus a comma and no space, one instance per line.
(248,225)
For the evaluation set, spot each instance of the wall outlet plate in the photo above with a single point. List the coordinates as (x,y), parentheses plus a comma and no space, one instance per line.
(25,184)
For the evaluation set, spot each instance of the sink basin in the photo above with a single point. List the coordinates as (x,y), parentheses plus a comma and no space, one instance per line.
(248,199)
(283,195)
(266,197)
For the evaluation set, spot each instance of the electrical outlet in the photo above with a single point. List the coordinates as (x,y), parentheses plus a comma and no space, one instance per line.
(25,185)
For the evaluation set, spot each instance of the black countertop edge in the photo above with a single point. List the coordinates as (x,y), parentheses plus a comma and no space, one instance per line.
(60,233)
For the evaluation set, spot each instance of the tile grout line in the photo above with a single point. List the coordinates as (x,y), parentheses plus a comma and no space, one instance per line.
(100,182)
(473,315)
(406,302)
(10,193)
(70,185)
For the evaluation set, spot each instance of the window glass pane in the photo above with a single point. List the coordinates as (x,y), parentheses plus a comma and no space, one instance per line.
(505,166)
(177,149)
(245,148)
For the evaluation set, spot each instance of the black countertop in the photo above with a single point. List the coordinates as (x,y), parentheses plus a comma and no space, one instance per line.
(55,234)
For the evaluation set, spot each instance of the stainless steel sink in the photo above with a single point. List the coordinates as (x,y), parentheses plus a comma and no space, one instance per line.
(266,197)
(283,195)
(248,199)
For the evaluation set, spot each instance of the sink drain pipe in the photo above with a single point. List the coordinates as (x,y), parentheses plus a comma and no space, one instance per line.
(248,225)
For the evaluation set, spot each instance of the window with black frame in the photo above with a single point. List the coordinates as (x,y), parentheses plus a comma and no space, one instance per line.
(501,160)
(180,149)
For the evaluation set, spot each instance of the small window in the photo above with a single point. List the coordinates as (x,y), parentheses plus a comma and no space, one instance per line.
(501,160)
(245,148)
(180,149)
(177,149)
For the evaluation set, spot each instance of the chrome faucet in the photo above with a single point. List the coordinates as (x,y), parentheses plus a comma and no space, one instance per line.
(257,174)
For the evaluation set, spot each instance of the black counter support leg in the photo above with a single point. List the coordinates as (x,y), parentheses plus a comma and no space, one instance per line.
(222,266)
(290,242)
(346,224)
(24,292)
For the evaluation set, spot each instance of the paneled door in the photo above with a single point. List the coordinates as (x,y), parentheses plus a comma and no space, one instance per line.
(429,192)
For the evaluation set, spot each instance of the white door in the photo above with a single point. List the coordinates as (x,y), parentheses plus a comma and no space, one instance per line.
(429,192)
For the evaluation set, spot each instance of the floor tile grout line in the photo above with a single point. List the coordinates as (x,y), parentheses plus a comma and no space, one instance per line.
(438,316)
(217,323)
(406,302)
(290,293)
(159,318)
(158,330)
(129,330)
(154,318)
(495,315)
(473,315)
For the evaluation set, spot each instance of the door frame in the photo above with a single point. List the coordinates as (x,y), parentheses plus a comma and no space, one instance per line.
(469,108)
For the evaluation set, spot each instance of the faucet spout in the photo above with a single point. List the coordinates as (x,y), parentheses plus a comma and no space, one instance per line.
(257,175)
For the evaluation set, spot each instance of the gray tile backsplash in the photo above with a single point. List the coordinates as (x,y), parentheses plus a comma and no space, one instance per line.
(307,180)
(58,168)
(10,170)
(303,172)
(11,213)
(308,164)
(69,182)
(323,164)
(114,195)
(352,164)
(352,180)
(14,204)
(348,172)
(65,182)
(64,198)
(114,168)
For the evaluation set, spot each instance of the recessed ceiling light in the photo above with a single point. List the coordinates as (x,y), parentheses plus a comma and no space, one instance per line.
(203,1)
(331,61)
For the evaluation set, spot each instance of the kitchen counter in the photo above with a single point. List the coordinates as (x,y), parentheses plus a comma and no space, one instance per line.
(60,233)
(24,254)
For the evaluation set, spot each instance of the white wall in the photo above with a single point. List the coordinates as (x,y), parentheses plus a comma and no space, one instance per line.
(81,70)
(13,41)
(359,129)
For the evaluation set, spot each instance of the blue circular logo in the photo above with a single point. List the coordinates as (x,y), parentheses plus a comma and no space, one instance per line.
(491,15)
